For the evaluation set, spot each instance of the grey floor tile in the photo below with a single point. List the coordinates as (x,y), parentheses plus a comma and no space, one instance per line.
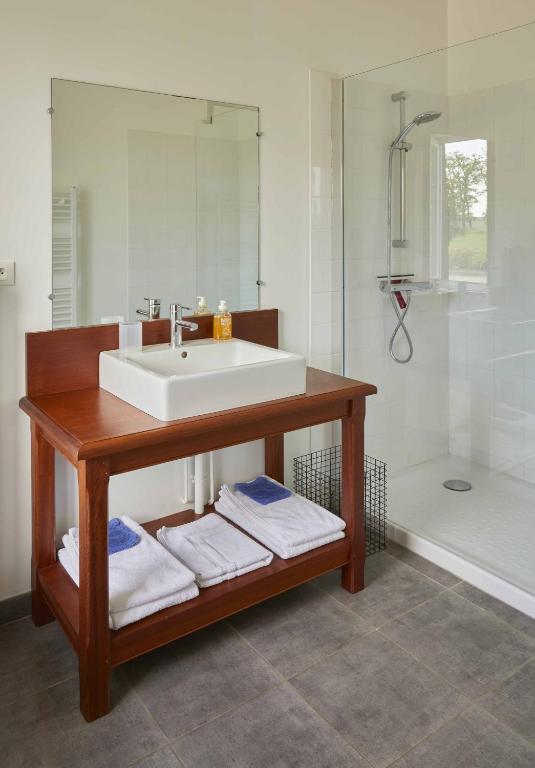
(426,567)
(391,588)
(514,702)
(503,611)
(472,740)
(199,677)
(298,628)
(15,608)
(277,730)
(378,697)
(466,645)
(47,730)
(33,658)
(164,758)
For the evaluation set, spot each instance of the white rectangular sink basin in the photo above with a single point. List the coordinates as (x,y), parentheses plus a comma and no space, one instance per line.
(201,377)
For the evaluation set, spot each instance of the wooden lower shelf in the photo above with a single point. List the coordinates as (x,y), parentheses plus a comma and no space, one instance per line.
(213,604)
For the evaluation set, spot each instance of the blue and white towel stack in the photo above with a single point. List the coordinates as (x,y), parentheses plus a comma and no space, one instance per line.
(283,521)
(143,577)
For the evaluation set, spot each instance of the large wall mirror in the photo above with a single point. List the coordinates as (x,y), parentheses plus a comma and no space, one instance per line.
(152,196)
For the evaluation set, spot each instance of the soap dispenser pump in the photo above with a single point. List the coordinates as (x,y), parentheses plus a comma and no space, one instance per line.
(202,306)
(222,322)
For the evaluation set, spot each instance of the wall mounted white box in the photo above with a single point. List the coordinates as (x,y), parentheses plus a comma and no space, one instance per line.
(7,273)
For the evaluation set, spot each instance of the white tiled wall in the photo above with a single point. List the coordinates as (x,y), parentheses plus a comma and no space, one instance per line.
(161,218)
(407,421)
(492,333)
(193,213)
(470,388)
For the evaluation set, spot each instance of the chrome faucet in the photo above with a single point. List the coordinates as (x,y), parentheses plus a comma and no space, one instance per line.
(153,312)
(177,324)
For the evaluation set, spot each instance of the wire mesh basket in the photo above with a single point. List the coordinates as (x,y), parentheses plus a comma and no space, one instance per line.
(317,476)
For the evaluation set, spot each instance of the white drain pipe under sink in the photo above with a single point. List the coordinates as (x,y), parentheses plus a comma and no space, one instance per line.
(197,482)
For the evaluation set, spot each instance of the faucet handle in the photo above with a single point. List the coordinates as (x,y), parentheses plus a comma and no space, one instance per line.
(153,312)
(176,309)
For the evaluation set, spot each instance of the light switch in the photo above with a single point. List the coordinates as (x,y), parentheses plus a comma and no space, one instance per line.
(7,273)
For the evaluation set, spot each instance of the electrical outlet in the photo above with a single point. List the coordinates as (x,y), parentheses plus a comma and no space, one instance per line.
(7,273)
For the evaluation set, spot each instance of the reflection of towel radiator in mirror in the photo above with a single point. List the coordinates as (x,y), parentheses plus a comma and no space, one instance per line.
(64,294)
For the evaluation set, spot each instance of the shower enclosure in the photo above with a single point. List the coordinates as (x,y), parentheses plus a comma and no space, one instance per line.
(439,243)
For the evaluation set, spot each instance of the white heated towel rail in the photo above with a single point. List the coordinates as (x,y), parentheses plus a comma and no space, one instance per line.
(64,259)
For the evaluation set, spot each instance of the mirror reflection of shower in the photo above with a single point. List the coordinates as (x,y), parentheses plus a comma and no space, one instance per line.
(400,287)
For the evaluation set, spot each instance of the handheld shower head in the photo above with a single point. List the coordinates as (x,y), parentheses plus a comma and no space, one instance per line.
(423,117)
(427,117)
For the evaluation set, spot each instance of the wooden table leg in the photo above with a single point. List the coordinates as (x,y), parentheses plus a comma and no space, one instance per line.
(353,510)
(274,457)
(94,645)
(43,520)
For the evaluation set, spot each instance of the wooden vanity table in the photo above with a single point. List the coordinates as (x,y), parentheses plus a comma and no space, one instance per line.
(102,436)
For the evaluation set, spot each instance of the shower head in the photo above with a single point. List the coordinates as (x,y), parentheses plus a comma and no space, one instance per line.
(423,117)
(426,117)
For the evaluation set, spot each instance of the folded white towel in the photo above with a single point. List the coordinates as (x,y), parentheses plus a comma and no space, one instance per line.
(141,574)
(214,550)
(289,526)
(120,619)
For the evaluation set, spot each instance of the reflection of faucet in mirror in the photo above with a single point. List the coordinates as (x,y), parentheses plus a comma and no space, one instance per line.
(177,324)
(153,312)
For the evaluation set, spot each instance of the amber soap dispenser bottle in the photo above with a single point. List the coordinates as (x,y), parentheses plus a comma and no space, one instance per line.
(222,322)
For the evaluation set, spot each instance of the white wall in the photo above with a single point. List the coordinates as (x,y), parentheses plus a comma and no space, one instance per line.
(251,52)
(477,18)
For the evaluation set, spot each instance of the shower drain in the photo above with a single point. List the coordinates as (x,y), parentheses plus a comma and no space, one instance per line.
(457,485)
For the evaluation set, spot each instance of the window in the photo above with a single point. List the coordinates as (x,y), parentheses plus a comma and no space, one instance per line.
(465,234)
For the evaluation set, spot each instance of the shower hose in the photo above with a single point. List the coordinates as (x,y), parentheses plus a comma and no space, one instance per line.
(400,328)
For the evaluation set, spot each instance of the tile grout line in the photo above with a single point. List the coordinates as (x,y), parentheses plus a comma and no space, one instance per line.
(410,610)
(155,752)
(180,760)
(531,744)
(255,650)
(226,712)
(495,685)
(429,669)
(281,684)
(414,568)
(330,654)
(140,698)
(491,686)
(15,621)
(54,685)
(453,588)
(470,705)
(330,725)
(498,618)
(473,705)
(339,604)
(341,647)
(397,615)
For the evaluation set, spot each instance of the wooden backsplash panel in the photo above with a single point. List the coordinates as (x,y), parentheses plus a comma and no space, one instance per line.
(67,358)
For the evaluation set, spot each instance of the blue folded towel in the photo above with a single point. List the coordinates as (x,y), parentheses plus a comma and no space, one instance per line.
(263,490)
(120,536)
